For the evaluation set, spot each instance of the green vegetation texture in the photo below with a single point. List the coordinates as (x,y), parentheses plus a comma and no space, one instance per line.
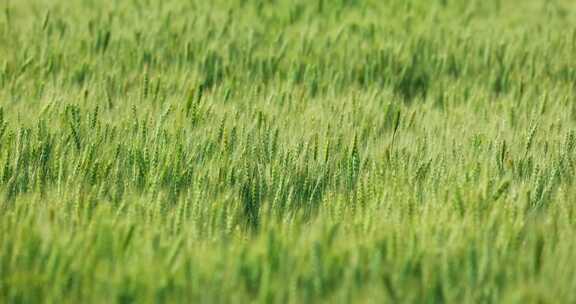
(276,151)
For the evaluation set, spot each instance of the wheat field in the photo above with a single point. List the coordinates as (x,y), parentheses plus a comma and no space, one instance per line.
(287,151)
